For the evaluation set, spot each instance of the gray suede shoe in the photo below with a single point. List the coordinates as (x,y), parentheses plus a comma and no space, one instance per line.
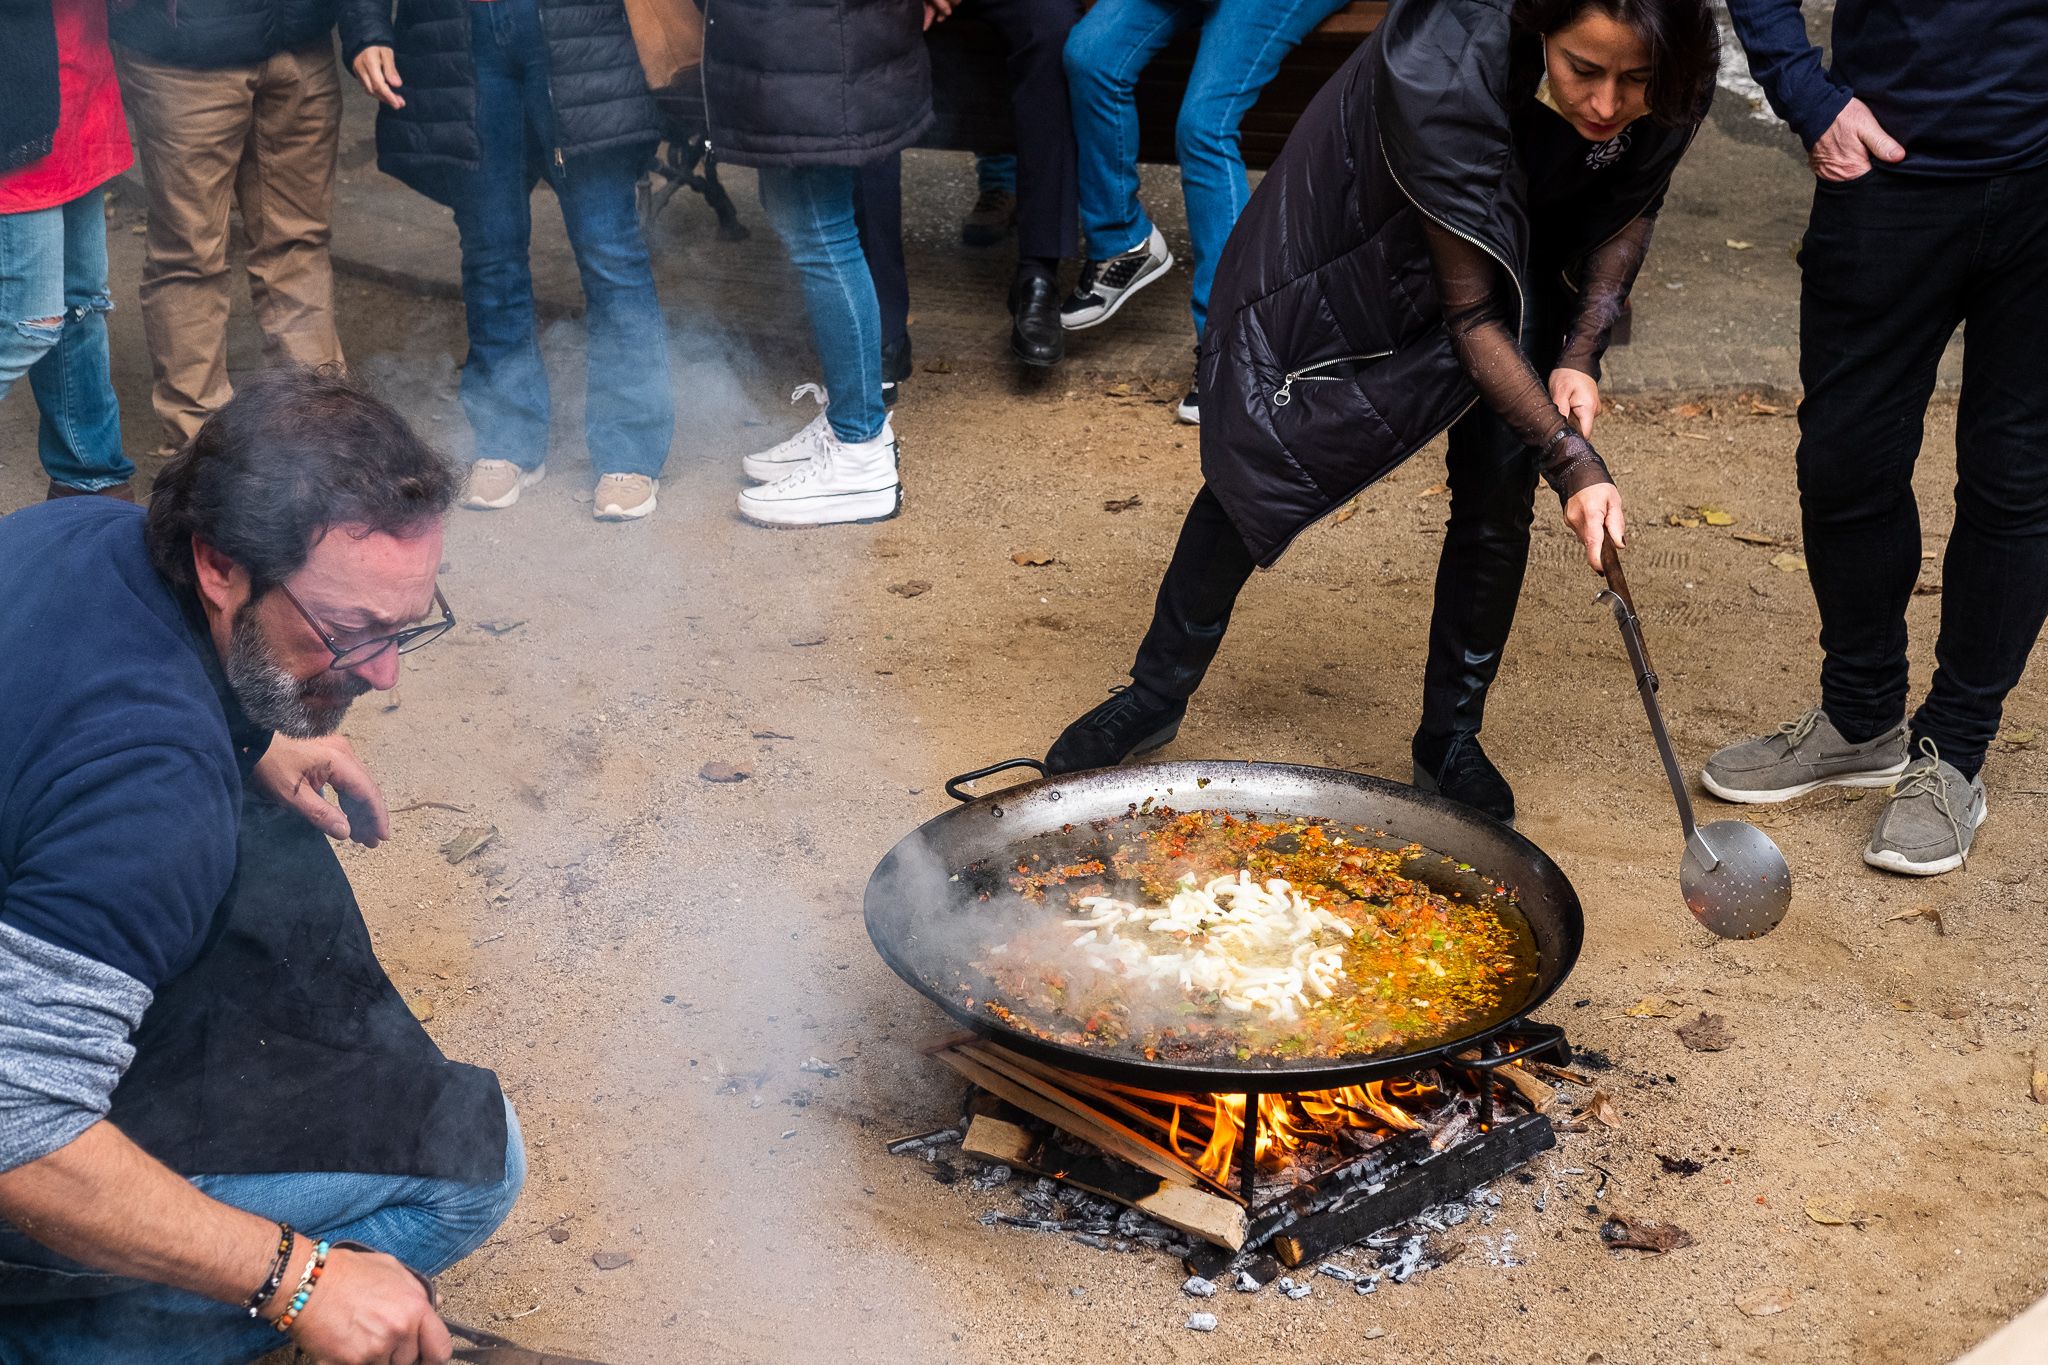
(1929,819)
(1804,754)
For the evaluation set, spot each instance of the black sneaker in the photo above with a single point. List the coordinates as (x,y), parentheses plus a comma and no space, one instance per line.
(992,218)
(1460,770)
(1190,409)
(895,368)
(1123,727)
(1104,285)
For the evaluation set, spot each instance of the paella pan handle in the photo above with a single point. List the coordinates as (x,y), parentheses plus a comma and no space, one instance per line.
(956,786)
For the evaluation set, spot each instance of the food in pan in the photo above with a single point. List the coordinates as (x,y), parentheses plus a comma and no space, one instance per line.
(1199,934)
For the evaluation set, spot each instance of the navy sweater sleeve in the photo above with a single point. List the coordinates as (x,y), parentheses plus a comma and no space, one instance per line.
(1788,66)
(123,858)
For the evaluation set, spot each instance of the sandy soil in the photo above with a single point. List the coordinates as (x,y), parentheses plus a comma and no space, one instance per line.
(647,958)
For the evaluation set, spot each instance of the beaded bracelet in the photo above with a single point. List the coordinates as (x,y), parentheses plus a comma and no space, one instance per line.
(285,1236)
(315,1265)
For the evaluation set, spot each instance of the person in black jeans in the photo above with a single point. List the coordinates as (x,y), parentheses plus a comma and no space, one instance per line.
(1929,211)
(1034,34)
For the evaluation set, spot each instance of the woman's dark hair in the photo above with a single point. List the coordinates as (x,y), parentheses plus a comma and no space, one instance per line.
(1684,43)
(294,453)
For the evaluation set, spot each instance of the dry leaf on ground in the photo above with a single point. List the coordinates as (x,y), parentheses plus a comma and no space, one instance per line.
(1032,559)
(2018,739)
(1714,516)
(1601,1107)
(723,772)
(1346,512)
(1789,562)
(1122,504)
(916,587)
(1692,410)
(1622,1233)
(1734,245)
(1926,912)
(1707,1033)
(1753,537)
(2039,1083)
(1680,519)
(611,1260)
(939,366)
(1766,1302)
(1830,1214)
(1653,1007)
(1435,490)
(468,841)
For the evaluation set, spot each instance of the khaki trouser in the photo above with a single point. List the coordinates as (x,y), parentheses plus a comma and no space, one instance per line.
(260,138)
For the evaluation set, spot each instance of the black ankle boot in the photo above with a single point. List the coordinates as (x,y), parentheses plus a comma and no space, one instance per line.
(1128,724)
(1458,769)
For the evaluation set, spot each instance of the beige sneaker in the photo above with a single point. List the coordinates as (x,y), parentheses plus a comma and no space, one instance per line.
(496,484)
(624,497)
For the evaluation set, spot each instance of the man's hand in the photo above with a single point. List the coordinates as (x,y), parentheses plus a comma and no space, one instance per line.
(1594,514)
(368,1310)
(1577,396)
(1845,149)
(936,11)
(296,773)
(377,69)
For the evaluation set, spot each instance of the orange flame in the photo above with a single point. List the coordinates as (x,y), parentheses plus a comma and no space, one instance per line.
(1290,1123)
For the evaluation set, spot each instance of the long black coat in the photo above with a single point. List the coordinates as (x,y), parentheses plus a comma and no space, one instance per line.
(1329,265)
(600,92)
(205,34)
(814,82)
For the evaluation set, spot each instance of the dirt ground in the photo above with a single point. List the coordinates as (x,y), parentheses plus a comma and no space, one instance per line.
(648,958)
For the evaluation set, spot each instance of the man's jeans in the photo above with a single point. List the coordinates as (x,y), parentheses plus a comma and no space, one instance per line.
(428,1224)
(1243,42)
(629,408)
(53,328)
(812,210)
(1892,263)
(259,138)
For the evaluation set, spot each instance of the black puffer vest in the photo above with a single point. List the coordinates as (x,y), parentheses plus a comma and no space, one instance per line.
(1328,268)
(815,82)
(600,93)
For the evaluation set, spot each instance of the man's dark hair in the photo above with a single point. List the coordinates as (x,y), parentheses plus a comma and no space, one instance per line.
(1684,43)
(294,453)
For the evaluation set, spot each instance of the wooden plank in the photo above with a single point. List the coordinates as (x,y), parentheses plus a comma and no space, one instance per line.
(1062,1115)
(1220,1222)
(1310,1198)
(1439,1176)
(1539,1095)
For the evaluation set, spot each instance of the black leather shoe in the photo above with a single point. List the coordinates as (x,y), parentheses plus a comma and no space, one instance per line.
(1460,770)
(1036,337)
(1123,727)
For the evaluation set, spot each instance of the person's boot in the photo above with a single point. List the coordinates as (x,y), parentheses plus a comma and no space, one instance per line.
(895,367)
(1132,722)
(1459,770)
(1190,409)
(1036,336)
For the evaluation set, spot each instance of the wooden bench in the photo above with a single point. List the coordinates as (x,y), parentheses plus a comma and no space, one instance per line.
(970,93)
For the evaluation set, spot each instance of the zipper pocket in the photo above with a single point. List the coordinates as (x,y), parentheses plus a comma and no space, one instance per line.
(1307,375)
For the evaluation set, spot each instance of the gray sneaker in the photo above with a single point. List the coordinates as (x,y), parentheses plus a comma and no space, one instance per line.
(1805,753)
(1929,819)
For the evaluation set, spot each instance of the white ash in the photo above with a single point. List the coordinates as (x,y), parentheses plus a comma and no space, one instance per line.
(1199,1288)
(819,1067)
(990,1178)
(1337,1272)
(1291,1289)
(1201,1322)
(1246,1284)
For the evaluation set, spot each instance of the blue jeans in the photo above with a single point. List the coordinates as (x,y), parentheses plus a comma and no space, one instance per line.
(428,1224)
(812,210)
(1242,45)
(629,407)
(53,265)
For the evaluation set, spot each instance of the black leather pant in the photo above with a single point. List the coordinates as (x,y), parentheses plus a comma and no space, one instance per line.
(1479,577)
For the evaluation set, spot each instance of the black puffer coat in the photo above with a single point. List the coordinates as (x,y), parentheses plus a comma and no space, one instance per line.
(600,93)
(815,82)
(205,34)
(1329,266)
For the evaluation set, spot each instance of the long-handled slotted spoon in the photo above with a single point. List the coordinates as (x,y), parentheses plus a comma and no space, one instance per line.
(1734,879)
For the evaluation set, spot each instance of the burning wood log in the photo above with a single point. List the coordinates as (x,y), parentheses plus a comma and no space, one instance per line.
(1311,1197)
(1218,1221)
(1408,1192)
(1527,1086)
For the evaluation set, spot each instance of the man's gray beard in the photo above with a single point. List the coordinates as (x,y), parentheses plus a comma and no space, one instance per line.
(270,696)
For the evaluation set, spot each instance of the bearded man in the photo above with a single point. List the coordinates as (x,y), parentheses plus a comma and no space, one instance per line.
(218,1120)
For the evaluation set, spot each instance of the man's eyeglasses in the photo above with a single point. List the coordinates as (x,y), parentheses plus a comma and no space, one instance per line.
(362,651)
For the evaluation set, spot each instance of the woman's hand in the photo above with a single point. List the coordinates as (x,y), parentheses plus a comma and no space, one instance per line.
(938,11)
(377,69)
(1594,514)
(297,773)
(1577,396)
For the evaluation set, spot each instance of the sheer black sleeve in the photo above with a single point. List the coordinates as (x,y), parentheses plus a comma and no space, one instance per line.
(1608,275)
(1469,283)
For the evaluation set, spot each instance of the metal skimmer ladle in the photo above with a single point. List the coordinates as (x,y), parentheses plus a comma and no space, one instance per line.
(1734,879)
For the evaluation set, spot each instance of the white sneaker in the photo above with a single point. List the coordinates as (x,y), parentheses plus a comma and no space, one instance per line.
(624,497)
(1106,286)
(796,452)
(496,484)
(845,483)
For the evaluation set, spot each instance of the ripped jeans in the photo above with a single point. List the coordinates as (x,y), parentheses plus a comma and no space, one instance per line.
(53,328)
